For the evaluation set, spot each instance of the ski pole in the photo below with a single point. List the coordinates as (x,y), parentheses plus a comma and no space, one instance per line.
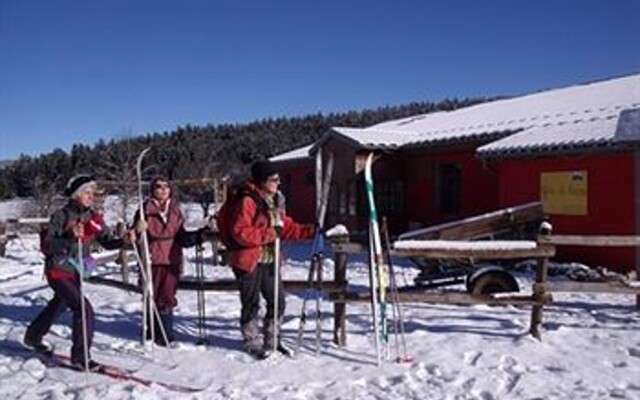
(398,321)
(318,284)
(83,312)
(200,296)
(276,291)
(303,313)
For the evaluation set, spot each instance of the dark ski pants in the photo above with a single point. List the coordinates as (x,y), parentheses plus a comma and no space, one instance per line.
(66,296)
(165,285)
(252,284)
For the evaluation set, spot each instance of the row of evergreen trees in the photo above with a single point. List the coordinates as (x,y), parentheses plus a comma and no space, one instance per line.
(193,151)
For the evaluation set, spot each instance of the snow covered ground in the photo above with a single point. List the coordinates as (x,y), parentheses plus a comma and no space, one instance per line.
(590,347)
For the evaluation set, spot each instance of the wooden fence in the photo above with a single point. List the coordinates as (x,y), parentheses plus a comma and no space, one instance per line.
(338,289)
(541,291)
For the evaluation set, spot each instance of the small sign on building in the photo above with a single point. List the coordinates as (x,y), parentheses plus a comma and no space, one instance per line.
(564,193)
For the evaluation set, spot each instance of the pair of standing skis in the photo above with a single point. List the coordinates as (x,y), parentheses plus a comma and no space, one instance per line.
(382,276)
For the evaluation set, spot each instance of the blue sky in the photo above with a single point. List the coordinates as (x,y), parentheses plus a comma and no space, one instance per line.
(79,70)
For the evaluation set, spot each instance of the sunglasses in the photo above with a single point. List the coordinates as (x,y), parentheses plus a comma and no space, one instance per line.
(274,180)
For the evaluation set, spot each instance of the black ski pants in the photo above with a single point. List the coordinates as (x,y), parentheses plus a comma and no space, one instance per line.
(66,296)
(258,282)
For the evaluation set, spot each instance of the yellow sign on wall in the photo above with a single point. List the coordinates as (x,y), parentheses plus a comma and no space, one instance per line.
(564,193)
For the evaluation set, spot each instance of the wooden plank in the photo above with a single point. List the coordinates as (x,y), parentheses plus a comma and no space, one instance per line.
(545,250)
(494,225)
(218,285)
(349,248)
(591,240)
(98,280)
(541,251)
(481,225)
(32,221)
(457,298)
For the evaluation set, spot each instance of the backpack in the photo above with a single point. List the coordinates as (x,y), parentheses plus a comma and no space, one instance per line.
(223,216)
(43,237)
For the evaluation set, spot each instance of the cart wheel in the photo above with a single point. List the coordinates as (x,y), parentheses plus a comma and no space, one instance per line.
(493,281)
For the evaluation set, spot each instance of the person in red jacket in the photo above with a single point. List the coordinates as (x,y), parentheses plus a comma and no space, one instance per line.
(167,236)
(256,219)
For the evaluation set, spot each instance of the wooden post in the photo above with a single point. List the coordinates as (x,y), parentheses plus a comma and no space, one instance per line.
(123,259)
(340,309)
(539,295)
(3,239)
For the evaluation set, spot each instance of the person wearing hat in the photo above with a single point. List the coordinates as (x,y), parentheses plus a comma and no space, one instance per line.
(256,219)
(164,224)
(69,235)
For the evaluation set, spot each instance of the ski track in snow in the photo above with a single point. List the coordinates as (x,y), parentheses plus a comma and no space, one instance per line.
(590,347)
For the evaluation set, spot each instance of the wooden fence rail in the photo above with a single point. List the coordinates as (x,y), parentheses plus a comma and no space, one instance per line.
(541,291)
(338,289)
(456,250)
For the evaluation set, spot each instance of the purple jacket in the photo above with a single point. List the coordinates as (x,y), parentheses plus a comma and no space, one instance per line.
(165,233)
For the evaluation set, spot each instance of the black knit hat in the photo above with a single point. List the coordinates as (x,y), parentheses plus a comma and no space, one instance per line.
(76,183)
(262,170)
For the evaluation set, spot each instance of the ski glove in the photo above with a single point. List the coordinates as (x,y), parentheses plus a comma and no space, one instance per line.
(141,226)
(278,227)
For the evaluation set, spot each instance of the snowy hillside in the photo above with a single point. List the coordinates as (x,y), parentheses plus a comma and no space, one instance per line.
(590,347)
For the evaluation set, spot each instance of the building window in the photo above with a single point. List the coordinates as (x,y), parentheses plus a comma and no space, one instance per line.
(449,183)
(389,197)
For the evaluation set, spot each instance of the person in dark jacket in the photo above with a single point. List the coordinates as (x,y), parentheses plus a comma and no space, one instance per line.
(76,222)
(164,224)
(256,220)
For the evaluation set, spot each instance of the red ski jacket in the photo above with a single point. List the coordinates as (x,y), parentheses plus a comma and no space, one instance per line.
(251,228)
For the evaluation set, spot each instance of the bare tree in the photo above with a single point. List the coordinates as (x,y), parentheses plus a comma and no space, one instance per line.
(117,165)
(45,196)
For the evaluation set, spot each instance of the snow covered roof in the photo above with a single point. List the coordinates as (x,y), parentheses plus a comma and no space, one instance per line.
(302,152)
(581,115)
(559,136)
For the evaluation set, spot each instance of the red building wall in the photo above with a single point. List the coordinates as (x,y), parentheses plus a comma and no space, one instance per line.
(298,187)
(478,189)
(610,201)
